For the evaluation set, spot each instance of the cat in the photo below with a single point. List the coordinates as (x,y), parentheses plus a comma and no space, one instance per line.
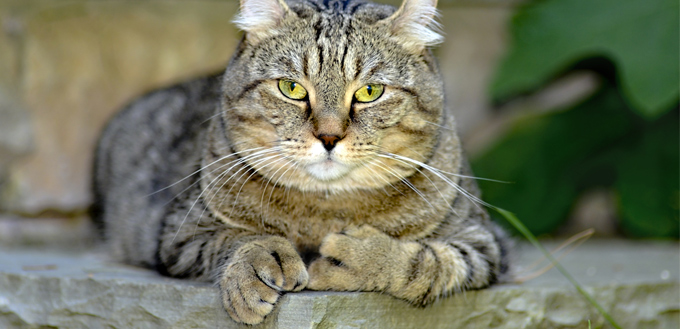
(323,158)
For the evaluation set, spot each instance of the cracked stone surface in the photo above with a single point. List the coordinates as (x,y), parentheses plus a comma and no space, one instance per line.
(638,283)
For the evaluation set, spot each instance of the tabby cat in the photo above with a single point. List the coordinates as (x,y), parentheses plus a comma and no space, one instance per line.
(322,159)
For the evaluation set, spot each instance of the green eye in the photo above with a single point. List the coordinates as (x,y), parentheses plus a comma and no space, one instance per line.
(369,93)
(292,89)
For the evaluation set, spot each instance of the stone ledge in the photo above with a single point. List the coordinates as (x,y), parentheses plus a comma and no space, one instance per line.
(637,282)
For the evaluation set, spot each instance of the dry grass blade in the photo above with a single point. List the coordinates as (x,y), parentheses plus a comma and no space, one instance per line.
(573,242)
(510,217)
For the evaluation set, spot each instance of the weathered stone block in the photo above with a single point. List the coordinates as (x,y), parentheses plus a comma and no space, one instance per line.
(637,282)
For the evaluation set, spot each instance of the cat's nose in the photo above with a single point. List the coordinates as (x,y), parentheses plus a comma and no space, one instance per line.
(329,141)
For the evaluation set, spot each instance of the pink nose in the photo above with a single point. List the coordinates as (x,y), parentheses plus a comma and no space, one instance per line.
(329,141)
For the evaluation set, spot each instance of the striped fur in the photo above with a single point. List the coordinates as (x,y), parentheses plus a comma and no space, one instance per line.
(224,179)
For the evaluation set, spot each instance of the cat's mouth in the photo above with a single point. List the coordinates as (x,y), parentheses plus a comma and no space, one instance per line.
(327,169)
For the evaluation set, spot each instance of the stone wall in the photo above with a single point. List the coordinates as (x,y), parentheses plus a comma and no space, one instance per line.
(66,67)
(72,65)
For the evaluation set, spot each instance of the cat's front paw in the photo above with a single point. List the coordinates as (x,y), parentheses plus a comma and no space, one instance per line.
(257,274)
(359,258)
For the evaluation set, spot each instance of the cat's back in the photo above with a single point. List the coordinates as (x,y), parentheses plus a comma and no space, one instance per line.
(144,150)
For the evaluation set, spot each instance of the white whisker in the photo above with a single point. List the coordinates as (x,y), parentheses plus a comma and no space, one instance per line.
(454,174)
(214,170)
(206,189)
(439,126)
(277,181)
(405,181)
(241,161)
(267,181)
(203,168)
(438,173)
(368,165)
(233,206)
(428,178)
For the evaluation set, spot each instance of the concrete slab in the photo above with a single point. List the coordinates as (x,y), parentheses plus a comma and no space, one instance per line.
(637,282)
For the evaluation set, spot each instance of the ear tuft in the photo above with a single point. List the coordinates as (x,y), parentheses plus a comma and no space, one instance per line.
(415,23)
(258,18)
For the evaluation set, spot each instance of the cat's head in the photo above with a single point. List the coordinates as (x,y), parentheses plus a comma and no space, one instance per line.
(321,95)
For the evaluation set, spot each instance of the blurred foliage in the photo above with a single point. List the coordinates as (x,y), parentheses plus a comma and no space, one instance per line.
(639,36)
(626,136)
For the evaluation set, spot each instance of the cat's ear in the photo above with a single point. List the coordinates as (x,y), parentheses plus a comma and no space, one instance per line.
(259,18)
(416,25)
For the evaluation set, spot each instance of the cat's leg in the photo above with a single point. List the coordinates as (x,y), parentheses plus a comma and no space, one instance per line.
(252,270)
(366,259)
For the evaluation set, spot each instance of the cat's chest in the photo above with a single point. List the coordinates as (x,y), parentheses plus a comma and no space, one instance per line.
(306,218)
(307,221)
(310,221)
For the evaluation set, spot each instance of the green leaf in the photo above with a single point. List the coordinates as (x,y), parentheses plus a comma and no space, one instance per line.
(639,36)
(599,143)
(550,158)
(648,181)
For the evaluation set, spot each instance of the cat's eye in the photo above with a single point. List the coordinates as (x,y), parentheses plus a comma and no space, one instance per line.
(369,93)
(292,89)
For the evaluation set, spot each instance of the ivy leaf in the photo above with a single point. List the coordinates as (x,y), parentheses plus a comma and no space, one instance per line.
(639,36)
(648,180)
(551,158)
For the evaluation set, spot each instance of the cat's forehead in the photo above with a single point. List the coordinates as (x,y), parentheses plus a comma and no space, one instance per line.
(334,7)
(332,28)
(332,23)
(365,11)
(332,43)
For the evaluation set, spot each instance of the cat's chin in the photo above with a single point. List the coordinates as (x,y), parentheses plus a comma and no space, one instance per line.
(327,170)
